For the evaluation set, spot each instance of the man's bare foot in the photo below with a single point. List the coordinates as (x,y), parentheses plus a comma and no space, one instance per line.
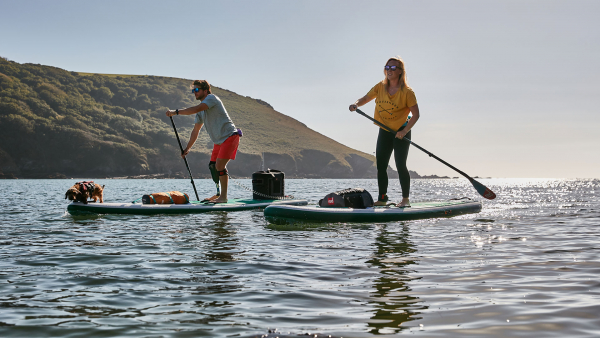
(208,199)
(219,200)
(404,204)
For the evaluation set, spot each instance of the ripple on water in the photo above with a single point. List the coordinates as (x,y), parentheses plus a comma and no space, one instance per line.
(526,264)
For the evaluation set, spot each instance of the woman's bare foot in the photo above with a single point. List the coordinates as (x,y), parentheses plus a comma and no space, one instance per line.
(209,199)
(219,200)
(404,204)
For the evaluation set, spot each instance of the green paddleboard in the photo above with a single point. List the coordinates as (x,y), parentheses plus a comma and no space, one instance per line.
(190,208)
(290,213)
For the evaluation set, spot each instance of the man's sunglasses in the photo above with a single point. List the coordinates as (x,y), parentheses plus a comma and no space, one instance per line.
(195,90)
(392,68)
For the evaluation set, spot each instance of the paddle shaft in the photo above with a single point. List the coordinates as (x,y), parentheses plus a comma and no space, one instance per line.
(414,144)
(184,159)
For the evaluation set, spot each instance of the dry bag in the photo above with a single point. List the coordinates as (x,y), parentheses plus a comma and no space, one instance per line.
(356,198)
(171,197)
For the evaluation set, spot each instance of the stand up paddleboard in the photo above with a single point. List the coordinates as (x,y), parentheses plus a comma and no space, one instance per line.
(290,213)
(190,208)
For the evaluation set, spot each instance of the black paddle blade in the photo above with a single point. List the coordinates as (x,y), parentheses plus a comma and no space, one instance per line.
(483,190)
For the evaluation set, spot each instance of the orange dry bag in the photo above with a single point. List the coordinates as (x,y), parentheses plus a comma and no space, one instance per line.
(171,197)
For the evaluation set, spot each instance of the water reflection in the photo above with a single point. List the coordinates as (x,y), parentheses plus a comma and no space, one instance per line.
(211,244)
(212,274)
(392,298)
(223,243)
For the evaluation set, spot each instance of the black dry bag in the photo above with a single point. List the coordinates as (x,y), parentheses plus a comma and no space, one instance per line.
(268,185)
(356,198)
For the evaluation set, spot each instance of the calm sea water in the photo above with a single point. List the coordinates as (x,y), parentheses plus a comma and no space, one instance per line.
(527,265)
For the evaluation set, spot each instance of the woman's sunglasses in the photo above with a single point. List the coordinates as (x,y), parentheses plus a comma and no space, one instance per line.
(392,68)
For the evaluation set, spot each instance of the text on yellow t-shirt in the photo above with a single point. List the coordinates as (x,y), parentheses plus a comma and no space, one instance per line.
(392,110)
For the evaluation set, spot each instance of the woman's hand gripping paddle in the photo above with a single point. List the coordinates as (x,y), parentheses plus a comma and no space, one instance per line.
(481,189)
(185,159)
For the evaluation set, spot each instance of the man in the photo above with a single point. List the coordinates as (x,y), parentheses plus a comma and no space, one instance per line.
(222,132)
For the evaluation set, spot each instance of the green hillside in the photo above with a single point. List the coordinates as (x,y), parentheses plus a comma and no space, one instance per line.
(56,123)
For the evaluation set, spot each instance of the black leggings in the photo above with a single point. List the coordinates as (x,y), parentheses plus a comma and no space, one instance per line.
(386,142)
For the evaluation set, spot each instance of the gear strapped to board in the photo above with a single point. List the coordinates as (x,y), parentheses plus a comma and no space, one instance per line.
(356,198)
(271,193)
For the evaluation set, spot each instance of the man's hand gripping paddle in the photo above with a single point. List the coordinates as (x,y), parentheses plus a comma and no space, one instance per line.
(185,159)
(481,189)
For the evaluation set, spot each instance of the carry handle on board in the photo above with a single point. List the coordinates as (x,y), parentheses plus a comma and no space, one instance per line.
(481,189)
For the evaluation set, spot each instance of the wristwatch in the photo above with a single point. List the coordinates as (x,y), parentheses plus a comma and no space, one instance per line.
(177,111)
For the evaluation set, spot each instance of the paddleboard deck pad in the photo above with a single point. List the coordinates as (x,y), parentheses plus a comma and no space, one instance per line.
(190,208)
(290,214)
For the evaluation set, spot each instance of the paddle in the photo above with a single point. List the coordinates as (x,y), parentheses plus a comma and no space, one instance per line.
(481,189)
(185,159)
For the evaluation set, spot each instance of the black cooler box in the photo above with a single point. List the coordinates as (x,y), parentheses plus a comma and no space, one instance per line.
(268,185)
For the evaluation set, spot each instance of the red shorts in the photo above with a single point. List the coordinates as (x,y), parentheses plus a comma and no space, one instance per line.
(227,149)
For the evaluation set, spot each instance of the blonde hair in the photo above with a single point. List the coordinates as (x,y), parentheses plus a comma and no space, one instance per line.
(403,79)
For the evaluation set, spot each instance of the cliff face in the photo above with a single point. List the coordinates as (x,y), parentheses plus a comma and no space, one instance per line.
(55,123)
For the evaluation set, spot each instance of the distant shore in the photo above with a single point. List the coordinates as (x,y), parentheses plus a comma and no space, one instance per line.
(181,176)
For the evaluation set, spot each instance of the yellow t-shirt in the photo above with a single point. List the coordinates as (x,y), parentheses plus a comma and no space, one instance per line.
(392,110)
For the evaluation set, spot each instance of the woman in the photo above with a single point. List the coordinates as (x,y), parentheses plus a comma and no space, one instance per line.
(394,100)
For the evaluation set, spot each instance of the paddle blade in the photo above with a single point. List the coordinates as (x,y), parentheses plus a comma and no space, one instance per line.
(483,190)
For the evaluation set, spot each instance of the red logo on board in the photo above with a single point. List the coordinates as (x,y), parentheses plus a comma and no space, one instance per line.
(330,200)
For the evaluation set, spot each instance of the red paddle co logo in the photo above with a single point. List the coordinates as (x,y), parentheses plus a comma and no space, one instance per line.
(330,200)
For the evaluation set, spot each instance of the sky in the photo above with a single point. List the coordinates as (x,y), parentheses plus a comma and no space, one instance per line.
(505,88)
